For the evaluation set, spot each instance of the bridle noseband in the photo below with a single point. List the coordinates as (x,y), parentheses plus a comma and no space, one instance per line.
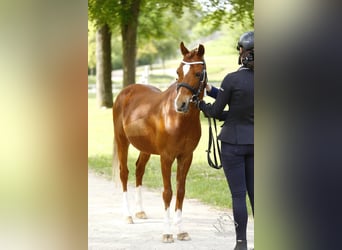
(202,81)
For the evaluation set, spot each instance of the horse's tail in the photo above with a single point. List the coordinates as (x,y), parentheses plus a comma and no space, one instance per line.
(115,164)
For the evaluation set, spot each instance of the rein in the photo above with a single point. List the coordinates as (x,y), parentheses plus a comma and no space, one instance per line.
(214,145)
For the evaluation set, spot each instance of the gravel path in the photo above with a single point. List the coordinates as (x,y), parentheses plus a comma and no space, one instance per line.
(208,228)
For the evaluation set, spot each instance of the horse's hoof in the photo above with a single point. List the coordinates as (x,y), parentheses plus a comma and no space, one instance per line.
(129,220)
(141,215)
(168,238)
(183,236)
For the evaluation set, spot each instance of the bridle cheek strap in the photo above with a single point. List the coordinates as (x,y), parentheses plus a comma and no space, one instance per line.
(195,92)
(187,86)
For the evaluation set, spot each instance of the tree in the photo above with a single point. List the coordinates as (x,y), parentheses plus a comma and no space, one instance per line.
(125,16)
(91,49)
(129,26)
(153,14)
(159,33)
(104,67)
(99,14)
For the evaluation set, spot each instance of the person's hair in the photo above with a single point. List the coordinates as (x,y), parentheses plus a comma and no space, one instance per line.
(247,58)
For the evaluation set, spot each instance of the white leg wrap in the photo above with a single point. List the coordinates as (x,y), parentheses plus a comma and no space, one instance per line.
(177,221)
(138,200)
(125,205)
(167,222)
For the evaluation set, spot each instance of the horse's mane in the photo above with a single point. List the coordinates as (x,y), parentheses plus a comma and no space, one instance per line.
(171,86)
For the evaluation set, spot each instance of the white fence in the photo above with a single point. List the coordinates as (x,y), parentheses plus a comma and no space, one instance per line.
(143,79)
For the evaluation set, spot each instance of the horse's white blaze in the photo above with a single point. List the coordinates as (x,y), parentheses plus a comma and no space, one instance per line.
(138,199)
(177,221)
(186,68)
(176,100)
(167,222)
(125,204)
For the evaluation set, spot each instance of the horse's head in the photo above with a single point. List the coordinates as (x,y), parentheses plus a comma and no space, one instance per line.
(192,78)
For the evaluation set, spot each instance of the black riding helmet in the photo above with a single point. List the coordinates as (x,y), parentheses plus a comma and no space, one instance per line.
(246,41)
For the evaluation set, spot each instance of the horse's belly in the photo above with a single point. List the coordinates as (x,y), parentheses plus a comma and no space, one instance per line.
(140,136)
(143,145)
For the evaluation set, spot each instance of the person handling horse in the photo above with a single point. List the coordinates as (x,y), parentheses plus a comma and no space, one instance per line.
(237,133)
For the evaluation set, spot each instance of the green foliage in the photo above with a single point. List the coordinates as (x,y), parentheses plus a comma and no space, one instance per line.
(232,12)
(152,22)
(162,24)
(116,52)
(160,32)
(147,54)
(102,12)
(152,13)
(242,12)
(166,48)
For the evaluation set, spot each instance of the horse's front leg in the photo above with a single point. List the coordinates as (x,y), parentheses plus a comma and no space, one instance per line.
(183,165)
(166,164)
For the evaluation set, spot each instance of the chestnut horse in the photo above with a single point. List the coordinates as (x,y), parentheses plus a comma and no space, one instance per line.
(163,123)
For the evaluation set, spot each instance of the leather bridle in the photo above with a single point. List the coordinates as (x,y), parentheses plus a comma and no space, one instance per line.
(202,81)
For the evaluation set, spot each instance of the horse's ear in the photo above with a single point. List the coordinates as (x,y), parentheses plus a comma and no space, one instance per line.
(184,50)
(200,50)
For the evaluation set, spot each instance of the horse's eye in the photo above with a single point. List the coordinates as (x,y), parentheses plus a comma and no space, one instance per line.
(198,74)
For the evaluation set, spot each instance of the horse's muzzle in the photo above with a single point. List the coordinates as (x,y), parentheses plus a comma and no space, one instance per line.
(182,106)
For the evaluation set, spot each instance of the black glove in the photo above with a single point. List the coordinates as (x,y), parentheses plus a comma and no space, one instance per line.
(198,104)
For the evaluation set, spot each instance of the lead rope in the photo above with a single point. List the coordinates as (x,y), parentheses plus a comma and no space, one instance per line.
(214,144)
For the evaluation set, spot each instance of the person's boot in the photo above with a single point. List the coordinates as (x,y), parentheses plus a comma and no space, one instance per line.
(241,245)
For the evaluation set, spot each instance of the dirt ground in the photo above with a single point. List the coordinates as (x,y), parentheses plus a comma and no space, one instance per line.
(209,228)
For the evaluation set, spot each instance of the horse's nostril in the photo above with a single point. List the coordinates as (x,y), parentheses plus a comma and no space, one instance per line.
(182,106)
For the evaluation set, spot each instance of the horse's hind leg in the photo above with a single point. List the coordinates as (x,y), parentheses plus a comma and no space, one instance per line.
(139,173)
(122,147)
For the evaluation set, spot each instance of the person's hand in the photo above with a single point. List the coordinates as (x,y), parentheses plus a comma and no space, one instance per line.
(195,100)
(198,103)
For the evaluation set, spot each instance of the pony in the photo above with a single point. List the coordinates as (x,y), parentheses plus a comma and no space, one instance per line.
(164,123)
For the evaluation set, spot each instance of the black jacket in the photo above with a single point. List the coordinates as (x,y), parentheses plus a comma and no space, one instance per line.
(236,91)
